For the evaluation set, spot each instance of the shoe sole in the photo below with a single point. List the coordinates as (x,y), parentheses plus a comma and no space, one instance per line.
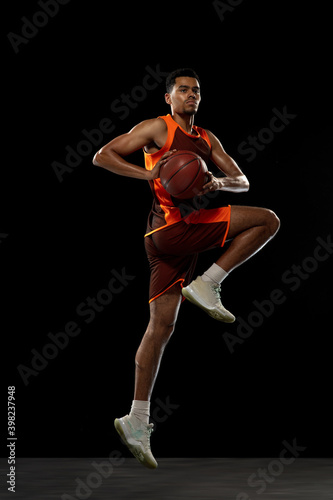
(191,296)
(134,448)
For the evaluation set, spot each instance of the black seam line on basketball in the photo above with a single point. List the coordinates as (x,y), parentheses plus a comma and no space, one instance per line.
(198,172)
(181,168)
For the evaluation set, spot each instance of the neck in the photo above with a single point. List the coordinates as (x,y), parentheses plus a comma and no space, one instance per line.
(185,121)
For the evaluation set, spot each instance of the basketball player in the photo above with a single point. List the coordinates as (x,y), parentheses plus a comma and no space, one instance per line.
(175,237)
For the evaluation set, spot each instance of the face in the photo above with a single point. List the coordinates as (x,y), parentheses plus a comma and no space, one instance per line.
(185,96)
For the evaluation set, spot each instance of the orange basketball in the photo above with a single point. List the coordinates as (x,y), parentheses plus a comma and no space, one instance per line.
(184,174)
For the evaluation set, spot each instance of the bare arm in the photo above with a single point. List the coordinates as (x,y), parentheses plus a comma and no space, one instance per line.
(234,180)
(111,156)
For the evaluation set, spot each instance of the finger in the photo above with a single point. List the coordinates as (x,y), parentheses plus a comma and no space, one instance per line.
(168,153)
(208,185)
(163,160)
(205,189)
(210,181)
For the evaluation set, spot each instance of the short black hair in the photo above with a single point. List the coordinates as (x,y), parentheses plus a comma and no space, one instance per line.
(171,78)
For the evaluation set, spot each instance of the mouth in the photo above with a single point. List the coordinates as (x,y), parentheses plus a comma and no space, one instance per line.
(191,102)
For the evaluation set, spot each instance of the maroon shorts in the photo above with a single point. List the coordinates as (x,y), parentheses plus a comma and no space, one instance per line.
(173,250)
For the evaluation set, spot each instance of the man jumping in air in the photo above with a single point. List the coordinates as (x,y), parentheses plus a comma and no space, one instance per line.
(176,236)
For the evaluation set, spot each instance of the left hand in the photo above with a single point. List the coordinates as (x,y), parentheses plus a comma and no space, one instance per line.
(213,184)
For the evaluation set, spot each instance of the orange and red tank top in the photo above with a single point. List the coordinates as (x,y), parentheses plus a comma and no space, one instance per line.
(167,210)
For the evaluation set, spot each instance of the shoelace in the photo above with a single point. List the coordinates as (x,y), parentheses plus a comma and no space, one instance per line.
(217,290)
(148,430)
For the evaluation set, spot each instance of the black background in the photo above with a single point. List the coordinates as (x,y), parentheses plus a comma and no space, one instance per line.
(61,240)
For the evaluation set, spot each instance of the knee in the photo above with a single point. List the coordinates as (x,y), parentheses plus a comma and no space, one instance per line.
(272,223)
(154,341)
(158,333)
(162,331)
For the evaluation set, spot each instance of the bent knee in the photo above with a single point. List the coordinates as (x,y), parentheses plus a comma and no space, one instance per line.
(272,222)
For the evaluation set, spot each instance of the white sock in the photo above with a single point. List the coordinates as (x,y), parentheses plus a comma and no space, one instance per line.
(141,410)
(214,274)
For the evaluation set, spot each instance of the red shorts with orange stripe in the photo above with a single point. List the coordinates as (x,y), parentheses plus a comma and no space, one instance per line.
(173,250)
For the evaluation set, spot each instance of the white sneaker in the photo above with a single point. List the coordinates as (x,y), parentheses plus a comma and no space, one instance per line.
(136,436)
(206,295)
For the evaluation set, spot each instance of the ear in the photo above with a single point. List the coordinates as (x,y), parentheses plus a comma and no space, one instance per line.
(167,98)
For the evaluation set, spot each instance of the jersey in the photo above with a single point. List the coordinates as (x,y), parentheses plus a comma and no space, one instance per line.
(167,210)
(178,230)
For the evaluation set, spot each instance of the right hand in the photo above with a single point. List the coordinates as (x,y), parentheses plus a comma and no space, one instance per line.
(155,172)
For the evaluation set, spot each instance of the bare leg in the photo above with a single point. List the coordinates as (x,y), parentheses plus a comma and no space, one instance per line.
(250,229)
(163,316)
(134,428)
